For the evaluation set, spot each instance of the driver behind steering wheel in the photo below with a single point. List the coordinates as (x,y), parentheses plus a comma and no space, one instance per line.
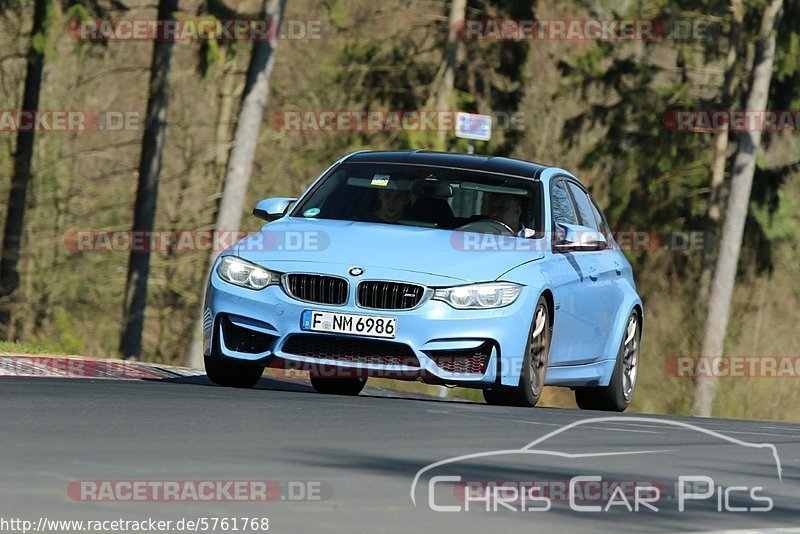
(508,210)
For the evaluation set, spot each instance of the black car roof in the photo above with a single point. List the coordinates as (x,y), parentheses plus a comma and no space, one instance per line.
(509,166)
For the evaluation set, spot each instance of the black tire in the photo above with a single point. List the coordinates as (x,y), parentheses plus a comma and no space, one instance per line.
(614,397)
(338,385)
(532,378)
(232,373)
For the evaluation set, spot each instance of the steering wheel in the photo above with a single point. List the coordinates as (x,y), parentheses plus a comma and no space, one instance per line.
(488,226)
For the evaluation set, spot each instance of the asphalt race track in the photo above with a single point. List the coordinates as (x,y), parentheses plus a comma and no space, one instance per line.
(352,460)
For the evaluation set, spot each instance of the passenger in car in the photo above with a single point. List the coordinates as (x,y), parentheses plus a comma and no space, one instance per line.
(393,204)
(508,210)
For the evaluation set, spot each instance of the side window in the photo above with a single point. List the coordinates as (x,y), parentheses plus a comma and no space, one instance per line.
(584,206)
(562,205)
(601,221)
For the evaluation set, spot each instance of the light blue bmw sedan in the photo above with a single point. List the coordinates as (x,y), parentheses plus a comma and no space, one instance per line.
(480,272)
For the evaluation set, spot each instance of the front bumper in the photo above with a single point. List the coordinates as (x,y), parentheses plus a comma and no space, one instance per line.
(257,326)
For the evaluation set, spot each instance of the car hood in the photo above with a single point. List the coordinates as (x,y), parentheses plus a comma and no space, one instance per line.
(443,254)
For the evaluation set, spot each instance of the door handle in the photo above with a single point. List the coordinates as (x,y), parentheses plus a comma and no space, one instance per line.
(618,267)
(593,273)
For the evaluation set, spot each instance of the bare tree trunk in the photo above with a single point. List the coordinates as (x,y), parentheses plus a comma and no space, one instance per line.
(23,158)
(741,184)
(194,356)
(130,345)
(222,131)
(719,155)
(248,125)
(444,93)
(243,149)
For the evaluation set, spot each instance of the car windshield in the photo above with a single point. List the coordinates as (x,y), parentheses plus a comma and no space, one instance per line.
(432,197)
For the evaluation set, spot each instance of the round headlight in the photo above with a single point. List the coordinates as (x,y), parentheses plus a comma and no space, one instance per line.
(259,278)
(238,272)
(245,274)
(489,297)
(481,296)
(461,296)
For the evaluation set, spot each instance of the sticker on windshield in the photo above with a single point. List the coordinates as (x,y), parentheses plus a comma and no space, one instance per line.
(311,212)
(380,180)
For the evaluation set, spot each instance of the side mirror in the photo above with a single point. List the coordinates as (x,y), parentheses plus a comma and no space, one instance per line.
(270,209)
(572,237)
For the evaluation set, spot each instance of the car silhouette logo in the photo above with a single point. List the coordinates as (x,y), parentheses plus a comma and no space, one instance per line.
(356,271)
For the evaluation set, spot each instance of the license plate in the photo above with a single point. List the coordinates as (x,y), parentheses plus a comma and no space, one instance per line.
(345,323)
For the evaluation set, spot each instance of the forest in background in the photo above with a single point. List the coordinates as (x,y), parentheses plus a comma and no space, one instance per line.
(596,108)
